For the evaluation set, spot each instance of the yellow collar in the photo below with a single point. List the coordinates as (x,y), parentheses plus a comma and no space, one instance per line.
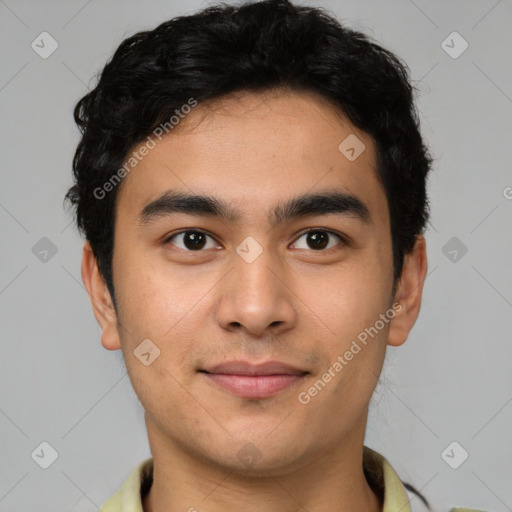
(128,497)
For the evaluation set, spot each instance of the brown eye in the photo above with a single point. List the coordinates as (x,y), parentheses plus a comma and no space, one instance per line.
(192,240)
(319,240)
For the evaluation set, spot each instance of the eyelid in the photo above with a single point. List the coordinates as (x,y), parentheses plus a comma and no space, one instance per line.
(344,239)
(168,238)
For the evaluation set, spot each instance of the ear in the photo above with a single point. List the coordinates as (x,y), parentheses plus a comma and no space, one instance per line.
(408,293)
(101,300)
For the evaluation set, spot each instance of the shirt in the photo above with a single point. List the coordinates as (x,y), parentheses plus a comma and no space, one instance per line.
(129,499)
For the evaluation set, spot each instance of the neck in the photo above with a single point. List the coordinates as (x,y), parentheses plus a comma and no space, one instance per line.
(328,481)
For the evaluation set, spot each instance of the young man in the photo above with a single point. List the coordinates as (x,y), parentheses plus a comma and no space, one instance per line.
(251,185)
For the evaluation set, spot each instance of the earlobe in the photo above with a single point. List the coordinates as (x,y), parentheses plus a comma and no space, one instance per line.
(409,293)
(101,300)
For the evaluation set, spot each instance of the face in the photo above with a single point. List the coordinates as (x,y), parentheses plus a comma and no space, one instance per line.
(255,279)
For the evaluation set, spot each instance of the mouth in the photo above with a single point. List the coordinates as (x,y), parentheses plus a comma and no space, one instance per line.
(247,380)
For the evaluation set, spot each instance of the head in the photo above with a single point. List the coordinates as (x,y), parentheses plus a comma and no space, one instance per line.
(266,120)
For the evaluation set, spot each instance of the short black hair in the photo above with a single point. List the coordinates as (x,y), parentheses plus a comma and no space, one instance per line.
(253,47)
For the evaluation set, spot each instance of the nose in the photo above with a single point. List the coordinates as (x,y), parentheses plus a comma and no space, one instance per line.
(256,297)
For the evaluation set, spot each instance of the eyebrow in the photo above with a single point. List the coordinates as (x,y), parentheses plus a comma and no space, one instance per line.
(322,203)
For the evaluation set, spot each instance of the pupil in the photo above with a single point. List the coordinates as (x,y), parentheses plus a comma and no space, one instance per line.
(194,240)
(318,239)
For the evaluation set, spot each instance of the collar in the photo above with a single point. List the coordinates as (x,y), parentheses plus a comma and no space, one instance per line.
(128,497)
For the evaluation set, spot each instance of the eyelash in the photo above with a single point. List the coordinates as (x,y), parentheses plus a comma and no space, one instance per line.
(343,239)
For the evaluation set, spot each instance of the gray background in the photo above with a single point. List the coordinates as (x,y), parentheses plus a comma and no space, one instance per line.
(450,382)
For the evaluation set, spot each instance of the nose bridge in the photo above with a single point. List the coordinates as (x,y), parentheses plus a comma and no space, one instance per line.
(252,274)
(253,296)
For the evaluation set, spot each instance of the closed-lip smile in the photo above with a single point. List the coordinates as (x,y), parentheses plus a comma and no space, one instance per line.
(249,380)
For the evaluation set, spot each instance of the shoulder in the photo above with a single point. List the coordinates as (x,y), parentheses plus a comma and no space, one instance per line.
(398,497)
(129,497)
(463,509)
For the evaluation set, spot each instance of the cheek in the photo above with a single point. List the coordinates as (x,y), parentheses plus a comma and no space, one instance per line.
(350,304)
(153,297)
(168,307)
(349,299)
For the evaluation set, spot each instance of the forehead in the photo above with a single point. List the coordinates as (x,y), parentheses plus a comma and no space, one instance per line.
(255,150)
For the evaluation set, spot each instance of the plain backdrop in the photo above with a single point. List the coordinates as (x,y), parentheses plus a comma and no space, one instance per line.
(451,381)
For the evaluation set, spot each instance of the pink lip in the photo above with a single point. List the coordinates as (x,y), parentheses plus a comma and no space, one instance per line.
(254,381)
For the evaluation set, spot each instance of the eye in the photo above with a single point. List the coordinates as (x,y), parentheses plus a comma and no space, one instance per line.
(196,240)
(192,240)
(319,239)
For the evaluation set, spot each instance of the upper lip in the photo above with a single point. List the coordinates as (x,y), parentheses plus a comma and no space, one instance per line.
(246,368)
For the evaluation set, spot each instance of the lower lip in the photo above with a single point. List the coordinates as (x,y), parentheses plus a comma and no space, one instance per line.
(257,386)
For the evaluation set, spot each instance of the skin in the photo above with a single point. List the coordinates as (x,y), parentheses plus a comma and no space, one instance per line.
(294,303)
